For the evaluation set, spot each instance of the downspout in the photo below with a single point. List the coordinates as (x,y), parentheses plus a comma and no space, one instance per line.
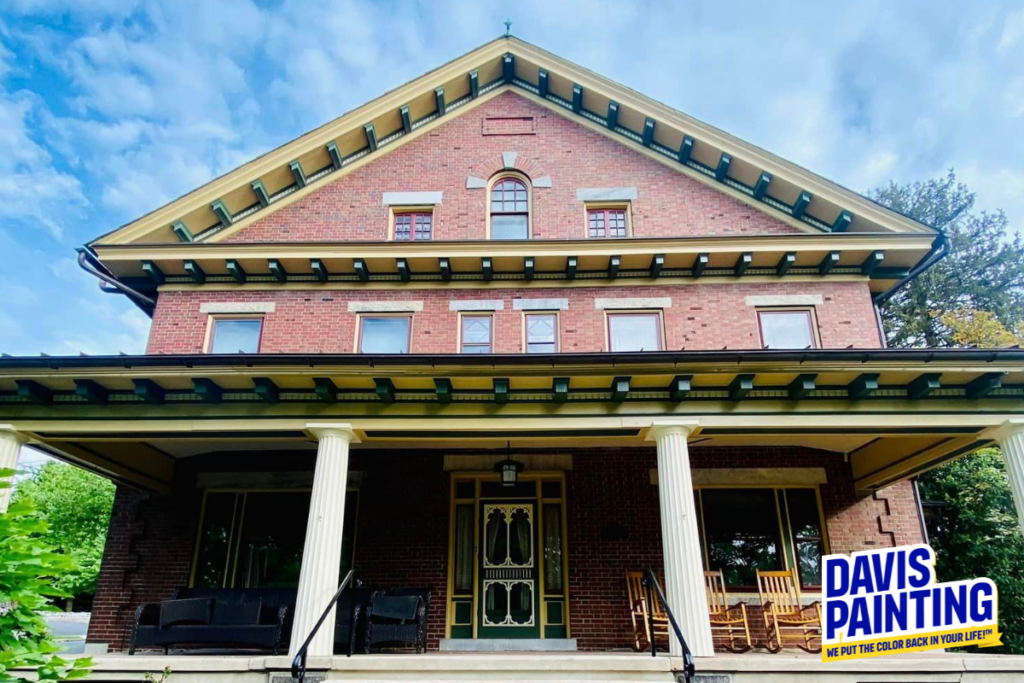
(938,250)
(90,264)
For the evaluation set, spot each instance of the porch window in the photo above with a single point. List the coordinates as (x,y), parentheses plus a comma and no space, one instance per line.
(541,333)
(250,539)
(236,335)
(634,332)
(786,329)
(477,333)
(384,334)
(743,530)
(413,225)
(510,209)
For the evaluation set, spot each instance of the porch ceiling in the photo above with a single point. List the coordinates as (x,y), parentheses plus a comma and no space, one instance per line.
(892,413)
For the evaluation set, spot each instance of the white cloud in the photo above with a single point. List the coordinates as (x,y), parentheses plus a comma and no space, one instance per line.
(1013,31)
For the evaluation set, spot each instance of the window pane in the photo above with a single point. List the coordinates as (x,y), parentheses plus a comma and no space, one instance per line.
(424,226)
(616,223)
(403,226)
(236,336)
(272,537)
(541,333)
(553,548)
(513,227)
(385,335)
(476,334)
(742,529)
(634,332)
(211,563)
(805,523)
(464,549)
(596,223)
(786,329)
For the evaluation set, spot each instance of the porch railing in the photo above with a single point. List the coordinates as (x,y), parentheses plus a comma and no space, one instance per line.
(299,662)
(653,587)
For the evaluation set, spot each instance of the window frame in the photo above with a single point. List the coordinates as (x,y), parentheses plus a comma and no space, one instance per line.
(787,538)
(558,328)
(605,207)
(211,329)
(610,313)
(529,203)
(396,211)
(809,311)
(476,314)
(363,315)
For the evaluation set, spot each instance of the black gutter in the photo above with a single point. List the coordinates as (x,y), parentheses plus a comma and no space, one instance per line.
(938,251)
(88,262)
(682,358)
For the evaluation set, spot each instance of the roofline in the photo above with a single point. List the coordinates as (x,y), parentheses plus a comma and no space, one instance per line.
(681,358)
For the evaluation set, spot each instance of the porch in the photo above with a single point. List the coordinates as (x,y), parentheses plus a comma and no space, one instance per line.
(753,667)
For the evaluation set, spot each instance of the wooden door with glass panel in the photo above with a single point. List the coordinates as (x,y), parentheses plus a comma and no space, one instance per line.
(509,604)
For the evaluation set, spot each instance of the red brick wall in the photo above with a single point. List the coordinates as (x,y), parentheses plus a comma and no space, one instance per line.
(402,531)
(668,203)
(701,317)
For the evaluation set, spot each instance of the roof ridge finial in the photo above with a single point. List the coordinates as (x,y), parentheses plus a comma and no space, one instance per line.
(508,27)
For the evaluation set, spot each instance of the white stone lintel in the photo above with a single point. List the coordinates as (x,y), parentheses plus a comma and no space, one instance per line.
(238,307)
(477,305)
(474,183)
(784,300)
(508,160)
(412,198)
(385,306)
(606,194)
(540,304)
(633,302)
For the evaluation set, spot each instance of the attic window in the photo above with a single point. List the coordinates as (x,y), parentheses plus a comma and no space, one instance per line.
(508,125)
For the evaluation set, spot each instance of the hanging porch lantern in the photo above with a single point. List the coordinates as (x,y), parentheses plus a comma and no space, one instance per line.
(509,469)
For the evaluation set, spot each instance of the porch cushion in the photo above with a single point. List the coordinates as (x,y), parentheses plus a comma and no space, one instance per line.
(234,614)
(191,611)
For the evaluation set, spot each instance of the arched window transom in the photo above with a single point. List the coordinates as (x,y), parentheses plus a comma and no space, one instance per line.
(510,210)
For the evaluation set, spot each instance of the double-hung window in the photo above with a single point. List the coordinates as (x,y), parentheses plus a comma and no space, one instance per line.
(510,209)
(635,331)
(791,328)
(236,335)
(477,334)
(541,332)
(384,333)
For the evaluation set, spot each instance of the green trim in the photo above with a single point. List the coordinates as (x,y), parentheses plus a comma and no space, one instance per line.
(542,83)
(984,385)
(182,232)
(298,174)
(444,390)
(865,385)
(445,267)
(501,388)
(614,263)
(799,207)
(194,271)
(722,170)
(404,274)
(236,270)
(385,389)
(577,98)
(319,269)
(508,67)
(529,267)
(685,150)
(474,84)
(801,387)
(611,120)
(487,266)
(154,273)
(261,193)
(785,263)
(761,187)
(679,388)
(740,386)
(92,392)
(497,433)
(560,389)
(570,267)
(647,137)
(266,389)
(657,265)
(439,101)
(620,389)
(830,261)
(361,269)
(277,269)
(700,264)
(34,392)
(743,263)
(842,222)
(403,112)
(326,390)
(335,153)
(872,262)
(221,209)
(149,391)
(371,136)
(924,385)
(207,390)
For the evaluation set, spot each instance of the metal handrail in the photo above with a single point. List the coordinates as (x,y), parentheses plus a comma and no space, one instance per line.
(299,661)
(650,582)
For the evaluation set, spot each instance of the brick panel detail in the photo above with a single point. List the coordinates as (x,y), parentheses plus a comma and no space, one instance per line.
(402,532)
(668,202)
(701,317)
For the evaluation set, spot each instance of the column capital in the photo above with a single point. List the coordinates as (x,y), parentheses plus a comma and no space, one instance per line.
(660,428)
(1011,427)
(341,430)
(9,432)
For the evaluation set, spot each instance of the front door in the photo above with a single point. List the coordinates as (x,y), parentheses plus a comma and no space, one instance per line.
(509,603)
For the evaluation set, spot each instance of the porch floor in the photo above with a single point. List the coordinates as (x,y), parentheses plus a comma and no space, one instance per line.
(751,667)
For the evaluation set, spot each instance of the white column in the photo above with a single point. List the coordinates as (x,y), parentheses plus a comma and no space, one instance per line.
(1011,442)
(680,537)
(10,448)
(321,556)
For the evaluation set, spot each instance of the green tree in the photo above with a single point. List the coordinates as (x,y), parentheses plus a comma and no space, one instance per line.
(974,531)
(75,505)
(984,269)
(29,570)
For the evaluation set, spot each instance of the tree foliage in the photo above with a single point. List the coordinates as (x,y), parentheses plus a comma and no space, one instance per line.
(974,531)
(29,571)
(983,271)
(76,505)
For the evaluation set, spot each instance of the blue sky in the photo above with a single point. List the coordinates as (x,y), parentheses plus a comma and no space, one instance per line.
(110,108)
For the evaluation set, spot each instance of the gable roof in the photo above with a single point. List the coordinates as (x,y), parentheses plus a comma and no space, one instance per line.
(749,173)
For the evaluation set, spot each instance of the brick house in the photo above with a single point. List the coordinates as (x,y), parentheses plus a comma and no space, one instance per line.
(510,258)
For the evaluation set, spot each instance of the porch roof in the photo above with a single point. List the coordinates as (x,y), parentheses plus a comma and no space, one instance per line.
(893,413)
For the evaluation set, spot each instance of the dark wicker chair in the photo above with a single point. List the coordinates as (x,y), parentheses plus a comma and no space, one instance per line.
(397,616)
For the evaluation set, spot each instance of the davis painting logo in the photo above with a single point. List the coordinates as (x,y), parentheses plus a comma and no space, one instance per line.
(881,602)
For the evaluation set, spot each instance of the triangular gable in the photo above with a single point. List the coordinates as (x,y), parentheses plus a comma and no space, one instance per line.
(765,181)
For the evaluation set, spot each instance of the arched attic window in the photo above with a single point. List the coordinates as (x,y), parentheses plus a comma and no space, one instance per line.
(510,208)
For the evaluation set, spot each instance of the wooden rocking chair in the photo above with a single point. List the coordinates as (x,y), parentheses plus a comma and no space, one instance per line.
(784,615)
(729,626)
(638,613)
